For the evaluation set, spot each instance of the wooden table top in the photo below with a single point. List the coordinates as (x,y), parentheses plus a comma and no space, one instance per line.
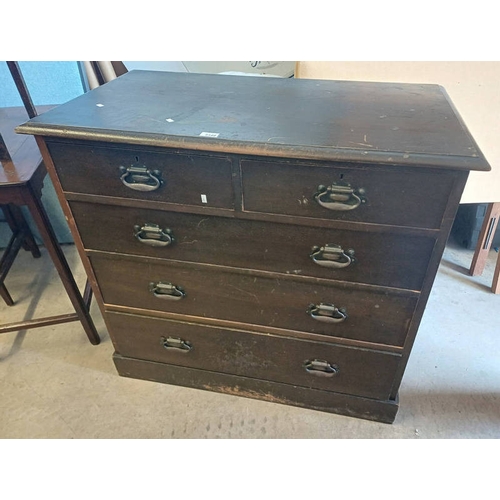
(23,149)
(394,124)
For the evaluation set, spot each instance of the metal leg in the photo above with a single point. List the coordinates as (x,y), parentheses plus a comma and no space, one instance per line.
(51,244)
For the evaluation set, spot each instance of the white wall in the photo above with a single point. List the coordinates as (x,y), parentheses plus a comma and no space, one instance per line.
(270,68)
(155,65)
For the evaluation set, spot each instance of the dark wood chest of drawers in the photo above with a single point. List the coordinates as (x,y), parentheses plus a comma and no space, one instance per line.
(268,238)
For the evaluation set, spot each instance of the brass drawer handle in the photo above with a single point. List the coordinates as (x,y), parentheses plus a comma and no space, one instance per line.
(140,178)
(175,344)
(327,313)
(332,256)
(166,291)
(320,368)
(153,236)
(339,197)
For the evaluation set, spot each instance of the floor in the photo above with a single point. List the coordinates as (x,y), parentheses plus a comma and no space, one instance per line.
(55,384)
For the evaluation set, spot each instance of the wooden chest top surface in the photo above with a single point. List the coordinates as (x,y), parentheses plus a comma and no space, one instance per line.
(400,124)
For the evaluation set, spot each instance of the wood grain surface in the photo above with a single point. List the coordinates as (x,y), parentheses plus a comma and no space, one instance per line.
(281,117)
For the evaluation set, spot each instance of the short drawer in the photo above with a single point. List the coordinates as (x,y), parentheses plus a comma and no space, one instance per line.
(288,303)
(142,174)
(401,197)
(363,257)
(317,365)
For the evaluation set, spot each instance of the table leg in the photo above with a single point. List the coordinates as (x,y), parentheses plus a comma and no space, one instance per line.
(495,287)
(41,219)
(6,295)
(484,244)
(16,221)
(485,239)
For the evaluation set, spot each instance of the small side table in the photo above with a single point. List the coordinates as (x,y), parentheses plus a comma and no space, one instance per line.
(484,244)
(21,180)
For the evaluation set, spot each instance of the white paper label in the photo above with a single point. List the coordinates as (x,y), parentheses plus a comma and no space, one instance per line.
(209,134)
(204,198)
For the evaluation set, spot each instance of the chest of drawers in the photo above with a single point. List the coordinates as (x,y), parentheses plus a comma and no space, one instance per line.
(268,238)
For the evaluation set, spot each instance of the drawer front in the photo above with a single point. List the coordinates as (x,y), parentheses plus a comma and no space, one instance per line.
(401,197)
(214,292)
(185,178)
(308,364)
(378,258)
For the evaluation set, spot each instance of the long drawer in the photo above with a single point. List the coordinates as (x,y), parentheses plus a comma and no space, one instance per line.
(220,293)
(188,179)
(268,357)
(400,197)
(363,257)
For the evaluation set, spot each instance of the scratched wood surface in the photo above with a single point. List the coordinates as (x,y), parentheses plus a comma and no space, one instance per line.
(363,373)
(315,119)
(252,244)
(273,300)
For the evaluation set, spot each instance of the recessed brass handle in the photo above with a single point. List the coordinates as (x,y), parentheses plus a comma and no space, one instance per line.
(327,313)
(166,291)
(339,197)
(332,256)
(175,344)
(153,236)
(320,368)
(140,178)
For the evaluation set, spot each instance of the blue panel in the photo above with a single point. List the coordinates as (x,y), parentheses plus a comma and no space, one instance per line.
(49,82)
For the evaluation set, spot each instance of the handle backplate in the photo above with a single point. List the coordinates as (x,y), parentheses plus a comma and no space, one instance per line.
(176,344)
(166,291)
(140,178)
(320,368)
(339,197)
(332,256)
(327,313)
(153,236)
